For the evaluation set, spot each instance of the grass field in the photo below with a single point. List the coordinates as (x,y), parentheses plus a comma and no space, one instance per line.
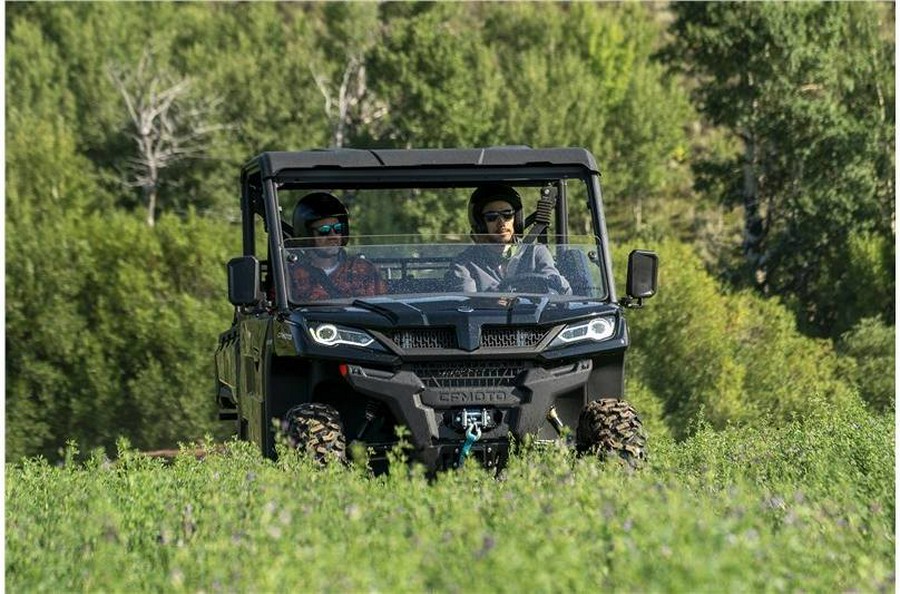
(807,506)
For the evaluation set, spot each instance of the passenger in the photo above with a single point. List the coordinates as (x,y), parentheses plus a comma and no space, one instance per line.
(327,271)
(495,214)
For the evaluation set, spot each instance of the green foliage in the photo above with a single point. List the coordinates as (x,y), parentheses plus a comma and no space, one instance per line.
(260,59)
(35,75)
(32,144)
(216,47)
(106,319)
(40,131)
(808,507)
(808,89)
(868,360)
(470,75)
(726,359)
(106,331)
(861,281)
(582,76)
(649,406)
(439,79)
(435,75)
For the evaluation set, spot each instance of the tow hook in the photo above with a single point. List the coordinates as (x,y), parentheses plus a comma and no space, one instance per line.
(473,421)
(473,434)
(555,420)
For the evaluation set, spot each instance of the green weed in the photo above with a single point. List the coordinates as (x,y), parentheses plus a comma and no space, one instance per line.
(808,506)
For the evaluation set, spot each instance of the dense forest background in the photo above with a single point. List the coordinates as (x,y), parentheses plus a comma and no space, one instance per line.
(751,145)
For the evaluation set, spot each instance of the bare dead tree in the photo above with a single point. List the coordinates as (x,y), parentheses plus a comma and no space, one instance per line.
(350,104)
(166,124)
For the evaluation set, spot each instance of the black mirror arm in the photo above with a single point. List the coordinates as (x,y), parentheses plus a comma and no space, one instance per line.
(632,302)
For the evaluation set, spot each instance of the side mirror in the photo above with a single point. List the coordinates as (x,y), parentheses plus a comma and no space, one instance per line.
(243,281)
(640,283)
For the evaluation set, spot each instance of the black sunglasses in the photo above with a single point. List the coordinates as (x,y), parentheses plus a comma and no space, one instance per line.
(324,230)
(492,215)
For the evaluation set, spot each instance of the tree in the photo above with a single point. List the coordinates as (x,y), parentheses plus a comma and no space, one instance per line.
(441,88)
(134,311)
(732,358)
(868,358)
(808,89)
(86,38)
(167,124)
(437,76)
(348,33)
(581,75)
(540,75)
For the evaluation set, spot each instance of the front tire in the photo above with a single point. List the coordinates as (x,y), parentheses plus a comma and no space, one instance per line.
(316,429)
(610,427)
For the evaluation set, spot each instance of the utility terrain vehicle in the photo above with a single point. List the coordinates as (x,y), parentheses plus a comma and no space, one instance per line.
(463,372)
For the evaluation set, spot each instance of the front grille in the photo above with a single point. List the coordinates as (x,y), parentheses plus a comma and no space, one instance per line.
(468,374)
(424,338)
(504,337)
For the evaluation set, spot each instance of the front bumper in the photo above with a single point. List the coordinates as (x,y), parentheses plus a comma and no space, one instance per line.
(432,412)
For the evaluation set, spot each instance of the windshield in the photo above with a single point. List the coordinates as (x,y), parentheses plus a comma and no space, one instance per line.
(526,235)
(405,265)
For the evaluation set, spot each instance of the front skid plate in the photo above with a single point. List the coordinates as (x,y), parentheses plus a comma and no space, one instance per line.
(533,394)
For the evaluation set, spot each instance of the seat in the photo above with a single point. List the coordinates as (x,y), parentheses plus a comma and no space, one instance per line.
(573,264)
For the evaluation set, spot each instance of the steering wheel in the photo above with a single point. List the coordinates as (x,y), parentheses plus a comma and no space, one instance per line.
(530,282)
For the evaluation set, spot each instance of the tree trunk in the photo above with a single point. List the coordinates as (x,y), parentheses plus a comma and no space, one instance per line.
(754,229)
(150,197)
(638,215)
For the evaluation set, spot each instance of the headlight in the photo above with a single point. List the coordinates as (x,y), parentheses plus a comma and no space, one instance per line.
(597,329)
(330,335)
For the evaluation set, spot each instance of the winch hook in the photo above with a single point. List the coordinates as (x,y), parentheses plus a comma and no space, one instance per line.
(473,434)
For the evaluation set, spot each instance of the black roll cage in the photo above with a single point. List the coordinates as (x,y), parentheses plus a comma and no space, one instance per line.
(256,186)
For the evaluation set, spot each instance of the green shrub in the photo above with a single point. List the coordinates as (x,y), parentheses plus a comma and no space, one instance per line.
(736,357)
(111,331)
(868,360)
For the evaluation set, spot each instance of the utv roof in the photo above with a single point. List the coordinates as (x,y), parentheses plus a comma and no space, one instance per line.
(275,163)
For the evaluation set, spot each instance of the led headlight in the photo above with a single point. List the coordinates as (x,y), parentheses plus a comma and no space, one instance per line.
(330,335)
(597,329)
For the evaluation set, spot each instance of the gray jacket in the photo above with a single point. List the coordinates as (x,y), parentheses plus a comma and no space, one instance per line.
(482,268)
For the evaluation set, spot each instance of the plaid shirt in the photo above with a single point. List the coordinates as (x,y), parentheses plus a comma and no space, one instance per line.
(354,277)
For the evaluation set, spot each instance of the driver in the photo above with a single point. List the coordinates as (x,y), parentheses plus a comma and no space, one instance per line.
(495,214)
(327,271)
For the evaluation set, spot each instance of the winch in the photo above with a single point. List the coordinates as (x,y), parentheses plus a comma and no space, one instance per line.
(483,419)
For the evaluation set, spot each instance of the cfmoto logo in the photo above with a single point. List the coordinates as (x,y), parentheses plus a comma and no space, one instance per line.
(478,397)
